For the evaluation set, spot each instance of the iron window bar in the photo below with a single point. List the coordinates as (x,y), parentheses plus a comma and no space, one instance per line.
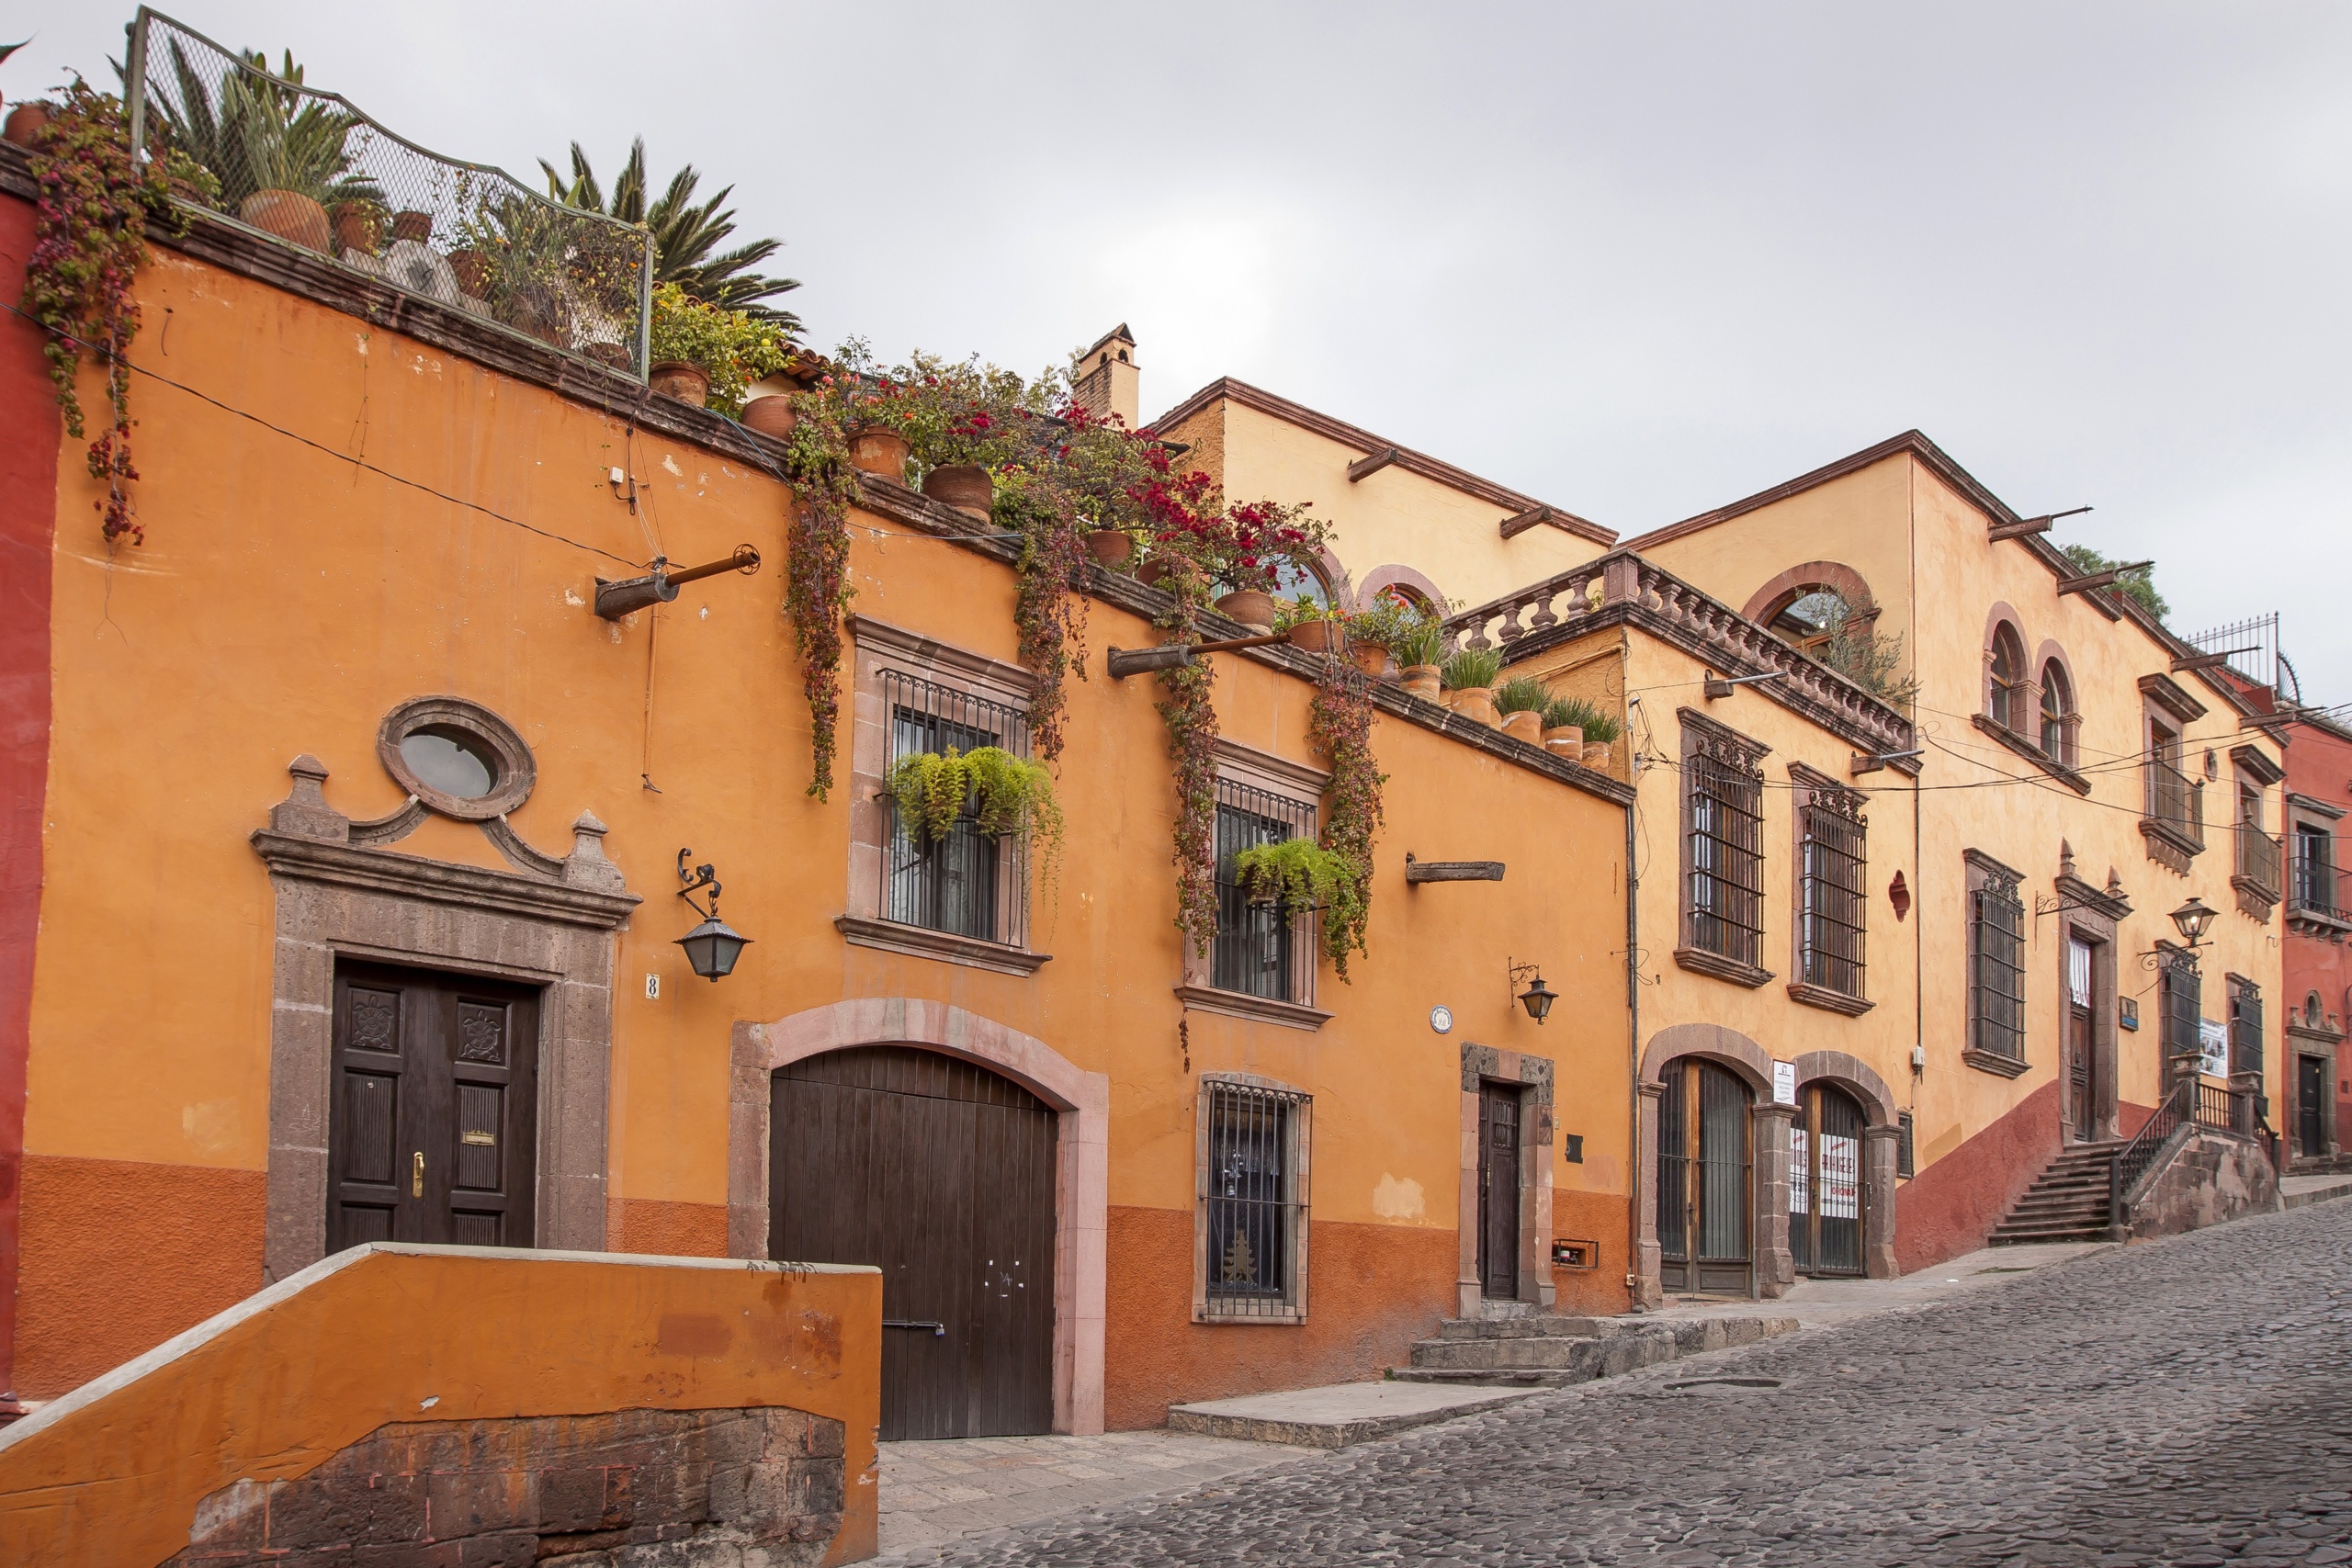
(2174,800)
(967,883)
(2314,886)
(2258,857)
(1833,900)
(1261,949)
(1727,891)
(1996,967)
(1254,1201)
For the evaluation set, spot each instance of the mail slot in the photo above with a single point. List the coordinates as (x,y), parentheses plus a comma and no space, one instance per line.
(476,1135)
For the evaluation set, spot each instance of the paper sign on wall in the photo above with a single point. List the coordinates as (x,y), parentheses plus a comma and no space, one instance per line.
(2213,1042)
(1784,1083)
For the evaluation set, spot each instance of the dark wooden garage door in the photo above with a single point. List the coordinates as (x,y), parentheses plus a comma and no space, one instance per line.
(941,1174)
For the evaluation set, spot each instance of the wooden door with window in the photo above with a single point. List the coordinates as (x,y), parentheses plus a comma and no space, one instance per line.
(2082,1053)
(432,1130)
(1498,1191)
(2311,1129)
(941,1174)
(1826,1182)
(1703,1191)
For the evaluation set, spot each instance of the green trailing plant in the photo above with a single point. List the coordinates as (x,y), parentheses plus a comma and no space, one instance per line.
(1188,706)
(732,348)
(1470,668)
(1008,796)
(1340,723)
(1521,693)
(1050,601)
(1298,873)
(1580,712)
(89,240)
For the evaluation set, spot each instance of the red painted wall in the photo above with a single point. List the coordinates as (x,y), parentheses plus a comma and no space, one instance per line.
(2319,764)
(1949,1207)
(27,523)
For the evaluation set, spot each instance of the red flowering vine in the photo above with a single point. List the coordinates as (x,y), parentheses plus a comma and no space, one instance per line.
(89,240)
(1340,723)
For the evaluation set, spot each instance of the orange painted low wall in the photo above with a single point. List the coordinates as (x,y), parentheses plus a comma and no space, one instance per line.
(112,1474)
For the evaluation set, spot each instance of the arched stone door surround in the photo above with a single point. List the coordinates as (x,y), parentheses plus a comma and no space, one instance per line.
(1880,1136)
(1081,1187)
(1769,1171)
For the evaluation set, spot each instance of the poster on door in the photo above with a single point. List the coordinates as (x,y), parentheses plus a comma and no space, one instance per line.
(1800,1172)
(1841,1177)
(2213,1044)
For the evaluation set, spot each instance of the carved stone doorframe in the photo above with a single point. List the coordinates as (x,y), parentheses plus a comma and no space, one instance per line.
(553,928)
(1531,1077)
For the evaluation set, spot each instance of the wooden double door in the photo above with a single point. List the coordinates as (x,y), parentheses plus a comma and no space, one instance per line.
(1704,1187)
(941,1174)
(432,1124)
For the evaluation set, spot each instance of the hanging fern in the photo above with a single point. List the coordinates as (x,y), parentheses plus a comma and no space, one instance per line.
(89,240)
(1340,723)
(1009,798)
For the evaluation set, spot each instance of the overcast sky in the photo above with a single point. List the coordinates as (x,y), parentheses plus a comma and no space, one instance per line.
(1638,259)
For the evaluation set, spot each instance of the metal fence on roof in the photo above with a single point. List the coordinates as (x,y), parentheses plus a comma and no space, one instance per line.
(312,170)
(2253,653)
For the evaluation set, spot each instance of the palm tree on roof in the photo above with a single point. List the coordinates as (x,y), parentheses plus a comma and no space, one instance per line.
(685,234)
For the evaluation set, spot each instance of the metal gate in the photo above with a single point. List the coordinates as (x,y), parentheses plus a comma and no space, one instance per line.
(1704,1159)
(1826,1182)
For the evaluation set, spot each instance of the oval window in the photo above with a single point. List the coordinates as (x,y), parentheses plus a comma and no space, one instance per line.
(450,760)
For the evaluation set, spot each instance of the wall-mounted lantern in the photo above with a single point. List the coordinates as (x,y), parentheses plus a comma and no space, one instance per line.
(713,946)
(2192,918)
(1538,997)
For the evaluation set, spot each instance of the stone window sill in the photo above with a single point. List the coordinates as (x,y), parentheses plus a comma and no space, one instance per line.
(1992,1062)
(1822,997)
(922,942)
(2034,754)
(1211,1318)
(1259,1010)
(1701,962)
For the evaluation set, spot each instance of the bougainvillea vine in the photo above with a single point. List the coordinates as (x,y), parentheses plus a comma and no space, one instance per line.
(816,585)
(89,242)
(1339,724)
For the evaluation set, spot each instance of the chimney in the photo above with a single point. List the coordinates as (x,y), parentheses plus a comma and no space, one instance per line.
(1107,382)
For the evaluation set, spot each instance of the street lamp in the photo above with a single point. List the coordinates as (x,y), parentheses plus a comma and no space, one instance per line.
(713,946)
(1538,1000)
(2192,918)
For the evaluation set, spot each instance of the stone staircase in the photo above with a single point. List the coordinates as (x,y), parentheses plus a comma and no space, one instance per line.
(1535,1350)
(2066,1203)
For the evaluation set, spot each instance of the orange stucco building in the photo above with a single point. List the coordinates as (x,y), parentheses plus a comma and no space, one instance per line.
(360,837)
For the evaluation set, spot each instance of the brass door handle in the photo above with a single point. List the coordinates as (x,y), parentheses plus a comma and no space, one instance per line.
(416,1176)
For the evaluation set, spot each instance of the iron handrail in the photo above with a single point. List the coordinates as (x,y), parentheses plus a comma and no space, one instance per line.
(2259,855)
(2131,1161)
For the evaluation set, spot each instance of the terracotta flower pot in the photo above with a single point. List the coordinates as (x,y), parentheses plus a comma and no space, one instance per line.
(1567,742)
(770,416)
(1525,725)
(1250,607)
(676,379)
(882,452)
(1425,681)
(417,226)
(357,227)
(1152,573)
(289,215)
(1476,703)
(1317,637)
(472,268)
(1112,550)
(1595,754)
(25,122)
(964,486)
(1369,657)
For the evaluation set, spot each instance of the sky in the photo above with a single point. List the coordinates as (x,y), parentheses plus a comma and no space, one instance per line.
(1638,259)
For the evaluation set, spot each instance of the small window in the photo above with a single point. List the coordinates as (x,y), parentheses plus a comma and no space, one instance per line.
(1905,1158)
(457,758)
(965,883)
(2245,1028)
(450,760)
(2313,887)
(1832,902)
(1263,949)
(1723,910)
(2005,701)
(2057,716)
(1253,1202)
(1996,964)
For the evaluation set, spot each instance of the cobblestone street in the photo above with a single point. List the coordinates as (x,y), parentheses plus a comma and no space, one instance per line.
(2185,1402)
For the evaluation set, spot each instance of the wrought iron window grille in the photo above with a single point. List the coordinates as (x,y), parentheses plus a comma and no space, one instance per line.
(967,883)
(1723,911)
(1833,898)
(1996,967)
(1260,949)
(1254,1201)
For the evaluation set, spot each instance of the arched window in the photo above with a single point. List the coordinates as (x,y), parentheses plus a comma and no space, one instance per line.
(2057,715)
(2005,700)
